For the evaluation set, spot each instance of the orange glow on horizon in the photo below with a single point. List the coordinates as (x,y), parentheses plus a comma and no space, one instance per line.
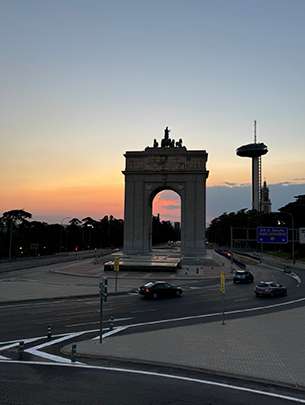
(169,210)
(91,200)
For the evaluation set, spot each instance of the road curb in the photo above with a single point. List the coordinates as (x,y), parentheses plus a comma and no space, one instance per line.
(66,352)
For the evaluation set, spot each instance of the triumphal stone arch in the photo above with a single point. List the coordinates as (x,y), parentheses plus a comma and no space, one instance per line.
(167,167)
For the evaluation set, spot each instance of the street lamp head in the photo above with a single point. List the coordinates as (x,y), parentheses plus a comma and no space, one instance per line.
(64,219)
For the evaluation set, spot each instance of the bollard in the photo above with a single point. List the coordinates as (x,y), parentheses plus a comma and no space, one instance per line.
(20,350)
(49,335)
(111,325)
(73,353)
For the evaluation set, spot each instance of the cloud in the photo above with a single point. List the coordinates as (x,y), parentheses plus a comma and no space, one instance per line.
(171,207)
(226,198)
(167,204)
(162,206)
(285,183)
(235,184)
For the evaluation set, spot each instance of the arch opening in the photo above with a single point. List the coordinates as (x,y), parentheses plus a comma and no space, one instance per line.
(165,217)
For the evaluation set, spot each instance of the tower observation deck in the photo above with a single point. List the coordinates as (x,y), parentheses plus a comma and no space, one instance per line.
(254,151)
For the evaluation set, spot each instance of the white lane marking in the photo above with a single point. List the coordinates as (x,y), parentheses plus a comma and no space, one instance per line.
(3,358)
(161,375)
(59,340)
(35,350)
(267,306)
(143,310)
(242,299)
(121,319)
(48,356)
(93,323)
(15,343)
(76,313)
(81,324)
(111,332)
(296,277)
(44,337)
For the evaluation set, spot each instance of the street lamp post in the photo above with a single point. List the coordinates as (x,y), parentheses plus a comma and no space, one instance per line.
(61,233)
(11,239)
(292,224)
(89,236)
(231,249)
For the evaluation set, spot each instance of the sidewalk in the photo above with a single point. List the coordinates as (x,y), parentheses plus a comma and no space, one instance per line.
(265,347)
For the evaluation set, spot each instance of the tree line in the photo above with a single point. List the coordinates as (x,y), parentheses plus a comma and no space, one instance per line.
(19,236)
(246,222)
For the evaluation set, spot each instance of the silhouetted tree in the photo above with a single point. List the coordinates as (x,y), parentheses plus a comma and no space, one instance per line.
(73,234)
(15,221)
(163,231)
(297,210)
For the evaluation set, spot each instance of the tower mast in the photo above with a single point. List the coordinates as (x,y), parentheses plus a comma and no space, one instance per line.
(254,151)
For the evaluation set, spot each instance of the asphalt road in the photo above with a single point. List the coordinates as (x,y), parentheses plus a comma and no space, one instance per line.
(200,297)
(32,262)
(33,384)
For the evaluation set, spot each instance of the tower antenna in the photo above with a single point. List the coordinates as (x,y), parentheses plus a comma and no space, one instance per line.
(254,131)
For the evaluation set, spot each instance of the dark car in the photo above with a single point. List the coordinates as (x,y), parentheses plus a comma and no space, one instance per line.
(160,289)
(243,276)
(270,289)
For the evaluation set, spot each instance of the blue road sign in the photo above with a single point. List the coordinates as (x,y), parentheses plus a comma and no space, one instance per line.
(272,235)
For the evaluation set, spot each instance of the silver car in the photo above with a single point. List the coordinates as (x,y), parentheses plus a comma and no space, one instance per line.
(270,289)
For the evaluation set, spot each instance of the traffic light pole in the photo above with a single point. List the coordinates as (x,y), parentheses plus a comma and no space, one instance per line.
(103,297)
(101,319)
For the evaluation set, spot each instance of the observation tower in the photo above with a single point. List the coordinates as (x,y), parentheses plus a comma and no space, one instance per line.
(255,151)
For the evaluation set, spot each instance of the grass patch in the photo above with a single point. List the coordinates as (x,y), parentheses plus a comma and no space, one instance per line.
(285,255)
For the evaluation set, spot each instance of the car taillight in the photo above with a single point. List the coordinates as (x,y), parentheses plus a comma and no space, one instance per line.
(266,288)
(147,290)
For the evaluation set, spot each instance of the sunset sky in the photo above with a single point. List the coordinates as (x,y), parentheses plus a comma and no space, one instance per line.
(84,81)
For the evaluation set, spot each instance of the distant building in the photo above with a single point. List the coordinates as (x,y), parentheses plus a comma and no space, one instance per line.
(177,226)
(265,200)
